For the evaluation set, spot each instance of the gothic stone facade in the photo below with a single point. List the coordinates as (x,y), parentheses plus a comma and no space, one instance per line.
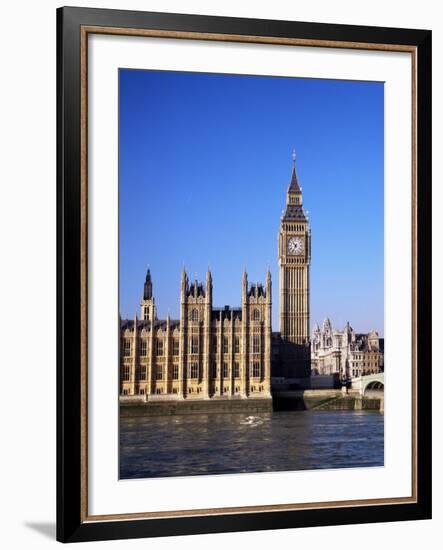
(225,353)
(345,353)
(209,353)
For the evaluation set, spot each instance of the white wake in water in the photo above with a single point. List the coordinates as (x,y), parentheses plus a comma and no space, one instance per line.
(252,421)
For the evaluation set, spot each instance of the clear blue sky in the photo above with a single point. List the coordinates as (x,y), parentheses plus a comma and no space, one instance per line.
(205,161)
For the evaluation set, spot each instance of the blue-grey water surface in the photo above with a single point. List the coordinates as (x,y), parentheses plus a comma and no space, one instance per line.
(185,445)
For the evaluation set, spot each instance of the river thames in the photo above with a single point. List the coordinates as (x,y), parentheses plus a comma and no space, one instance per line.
(164,446)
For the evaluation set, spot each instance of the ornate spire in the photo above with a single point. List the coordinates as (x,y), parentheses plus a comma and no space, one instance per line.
(195,286)
(147,291)
(294,186)
(209,285)
(244,284)
(268,284)
(184,280)
(208,278)
(294,209)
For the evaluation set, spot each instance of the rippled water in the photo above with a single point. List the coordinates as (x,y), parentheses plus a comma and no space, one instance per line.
(232,443)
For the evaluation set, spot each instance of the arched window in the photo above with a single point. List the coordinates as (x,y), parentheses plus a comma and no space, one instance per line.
(255,314)
(194,315)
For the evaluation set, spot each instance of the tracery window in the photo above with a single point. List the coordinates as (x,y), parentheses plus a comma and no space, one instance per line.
(143,348)
(236,370)
(159,347)
(236,344)
(225,370)
(255,369)
(126,348)
(193,370)
(255,343)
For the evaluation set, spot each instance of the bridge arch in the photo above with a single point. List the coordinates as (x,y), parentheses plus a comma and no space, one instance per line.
(370,382)
(373,385)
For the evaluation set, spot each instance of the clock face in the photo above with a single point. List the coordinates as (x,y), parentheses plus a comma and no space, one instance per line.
(295,246)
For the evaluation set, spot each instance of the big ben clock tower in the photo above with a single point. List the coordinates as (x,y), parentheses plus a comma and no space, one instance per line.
(294,258)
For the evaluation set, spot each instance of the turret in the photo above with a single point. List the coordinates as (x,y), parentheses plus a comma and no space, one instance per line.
(327,325)
(209,285)
(268,285)
(147,291)
(244,286)
(183,285)
(373,341)
(147,305)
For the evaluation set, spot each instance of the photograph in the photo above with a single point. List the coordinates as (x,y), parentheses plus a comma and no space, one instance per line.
(251,273)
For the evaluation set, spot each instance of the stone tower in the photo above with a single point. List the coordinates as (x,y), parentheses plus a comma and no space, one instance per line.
(294,258)
(147,305)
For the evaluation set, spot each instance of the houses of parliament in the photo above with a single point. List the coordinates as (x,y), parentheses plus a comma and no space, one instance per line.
(215,353)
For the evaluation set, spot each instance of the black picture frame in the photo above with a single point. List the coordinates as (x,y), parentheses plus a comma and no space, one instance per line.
(72,526)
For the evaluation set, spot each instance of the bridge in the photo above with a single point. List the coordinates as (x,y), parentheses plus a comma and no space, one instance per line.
(369,384)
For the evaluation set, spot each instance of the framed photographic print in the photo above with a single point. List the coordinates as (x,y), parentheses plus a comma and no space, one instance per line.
(281,168)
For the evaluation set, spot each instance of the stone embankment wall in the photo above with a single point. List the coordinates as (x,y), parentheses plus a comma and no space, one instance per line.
(158,408)
(291,400)
(326,400)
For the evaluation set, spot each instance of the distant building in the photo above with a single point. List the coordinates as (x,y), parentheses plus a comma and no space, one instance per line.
(344,352)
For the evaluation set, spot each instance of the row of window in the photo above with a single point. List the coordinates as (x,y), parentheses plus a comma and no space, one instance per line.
(370,364)
(255,315)
(194,371)
(362,356)
(294,260)
(294,227)
(255,344)
(357,372)
(143,348)
(193,346)
(194,315)
(224,390)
